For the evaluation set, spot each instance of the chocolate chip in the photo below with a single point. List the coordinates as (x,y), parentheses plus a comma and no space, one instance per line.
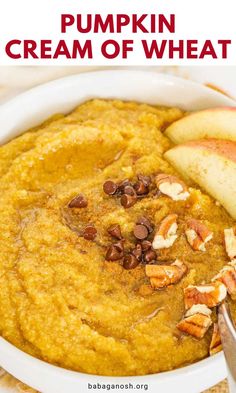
(146,180)
(115,251)
(123,184)
(140,188)
(130,262)
(129,190)
(128,200)
(109,187)
(113,254)
(89,232)
(146,245)
(149,256)
(140,232)
(137,252)
(115,231)
(120,245)
(78,201)
(145,221)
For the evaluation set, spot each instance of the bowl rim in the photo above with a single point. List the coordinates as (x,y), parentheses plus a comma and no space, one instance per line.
(29,96)
(9,349)
(116,71)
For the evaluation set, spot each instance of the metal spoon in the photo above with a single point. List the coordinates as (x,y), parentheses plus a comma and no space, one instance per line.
(228,337)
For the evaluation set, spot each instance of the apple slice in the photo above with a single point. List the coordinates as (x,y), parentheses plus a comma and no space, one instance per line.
(210,123)
(212,165)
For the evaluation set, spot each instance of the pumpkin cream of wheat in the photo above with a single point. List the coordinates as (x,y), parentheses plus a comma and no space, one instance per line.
(100,238)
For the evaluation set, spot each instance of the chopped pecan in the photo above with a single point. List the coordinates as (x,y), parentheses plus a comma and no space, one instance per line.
(166,233)
(215,345)
(198,309)
(172,187)
(210,295)
(164,275)
(230,242)
(227,276)
(195,325)
(232,263)
(197,234)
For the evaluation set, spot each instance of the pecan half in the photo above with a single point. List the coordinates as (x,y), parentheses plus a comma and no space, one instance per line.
(172,187)
(230,242)
(227,276)
(211,294)
(198,309)
(166,233)
(197,234)
(215,345)
(195,325)
(164,275)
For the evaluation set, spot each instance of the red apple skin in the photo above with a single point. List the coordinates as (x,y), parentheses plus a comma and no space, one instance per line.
(219,146)
(225,108)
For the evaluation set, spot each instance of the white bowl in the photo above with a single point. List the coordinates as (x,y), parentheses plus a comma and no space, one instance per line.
(63,95)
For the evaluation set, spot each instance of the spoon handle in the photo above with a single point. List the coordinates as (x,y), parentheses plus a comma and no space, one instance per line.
(228,338)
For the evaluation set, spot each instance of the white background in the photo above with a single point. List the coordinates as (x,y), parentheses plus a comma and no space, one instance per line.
(40,19)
